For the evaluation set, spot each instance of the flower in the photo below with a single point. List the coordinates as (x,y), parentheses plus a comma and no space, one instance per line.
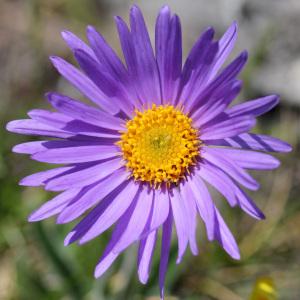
(142,156)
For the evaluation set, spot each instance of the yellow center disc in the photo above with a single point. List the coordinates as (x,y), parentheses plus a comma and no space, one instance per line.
(159,145)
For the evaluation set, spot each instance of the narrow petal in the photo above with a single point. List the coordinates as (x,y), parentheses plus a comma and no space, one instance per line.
(70,126)
(137,222)
(161,207)
(147,71)
(75,43)
(41,178)
(83,112)
(225,237)
(180,217)
(53,206)
(29,147)
(226,44)
(83,176)
(93,195)
(165,251)
(145,254)
(227,128)
(250,159)
(255,108)
(107,56)
(217,103)
(83,84)
(168,48)
(191,210)
(230,167)
(79,154)
(196,189)
(253,141)
(111,212)
(109,86)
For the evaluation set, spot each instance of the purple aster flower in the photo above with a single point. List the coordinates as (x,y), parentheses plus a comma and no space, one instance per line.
(158,134)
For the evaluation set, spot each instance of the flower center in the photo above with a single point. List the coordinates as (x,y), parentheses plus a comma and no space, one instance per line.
(159,145)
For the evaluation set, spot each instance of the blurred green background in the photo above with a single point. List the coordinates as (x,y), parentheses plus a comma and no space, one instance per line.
(34,264)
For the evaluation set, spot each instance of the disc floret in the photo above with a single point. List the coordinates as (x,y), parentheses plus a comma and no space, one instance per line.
(159,145)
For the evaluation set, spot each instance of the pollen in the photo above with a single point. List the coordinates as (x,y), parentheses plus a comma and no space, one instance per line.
(159,145)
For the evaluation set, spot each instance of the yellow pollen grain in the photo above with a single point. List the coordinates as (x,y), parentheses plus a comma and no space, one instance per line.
(159,145)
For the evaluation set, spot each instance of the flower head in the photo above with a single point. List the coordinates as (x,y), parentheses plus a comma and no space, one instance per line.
(158,133)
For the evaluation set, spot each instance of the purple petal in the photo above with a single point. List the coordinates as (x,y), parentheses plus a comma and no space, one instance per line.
(146,69)
(250,159)
(33,127)
(70,155)
(76,43)
(228,74)
(230,167)
(137,222)
(227,128)
(107,57)
(191,219)
(145,254)
(53,206)
(93,195)
(83,84)
(69,125)
(216,104)
(180,217)
(85,176)
(168,46)
(225,237)
(196,189)
(226,44)
(112,212)
(254,107)
(110,87)
(161,206)
(165,251)
(253,141)
(29,147)
(218,179)
(83,112)
(41,178)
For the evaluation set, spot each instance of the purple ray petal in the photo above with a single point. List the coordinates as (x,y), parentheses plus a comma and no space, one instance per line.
(228,74)
(250,159)
(83,84)
(230,167)
(109,86)
(33,127)
(145,254)
(226,44)
(75,42)
(83,112)
(85,176)
(168,48)
(254,107)
(253,141)
(225,237)
(94,195)
(107,57)
(68,124)
(191,220)
(112,212)
(196,189)
(227,128)
(70,155)
(137,222)
(180,217)
(165,251)
(53,206)
(147,71)
(217,103)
